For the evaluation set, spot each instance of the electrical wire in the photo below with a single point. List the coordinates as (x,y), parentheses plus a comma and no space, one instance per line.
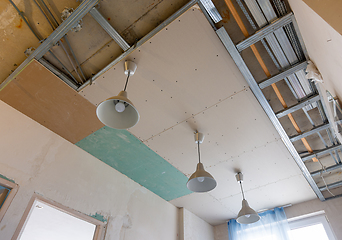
(198,150)
(21,13)
(321,175)
(243,195)
(47,19)
(129,73)
(73,65)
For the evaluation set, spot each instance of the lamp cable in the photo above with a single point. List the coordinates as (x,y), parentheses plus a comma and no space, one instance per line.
(129,72)
(243,195)
(199,152)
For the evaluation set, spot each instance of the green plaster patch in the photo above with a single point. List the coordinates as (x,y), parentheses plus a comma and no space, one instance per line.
(2,176)
(127,154)
(99,217)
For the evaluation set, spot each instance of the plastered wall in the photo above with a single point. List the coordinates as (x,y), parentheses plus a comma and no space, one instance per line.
(221,232)
(40,161)
(193,227)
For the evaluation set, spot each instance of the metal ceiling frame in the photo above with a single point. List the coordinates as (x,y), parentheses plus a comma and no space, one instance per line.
(313,99)
(234,53)
(88,6)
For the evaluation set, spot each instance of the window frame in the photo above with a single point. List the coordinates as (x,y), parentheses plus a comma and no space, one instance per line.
(100,226)
(312,219)
(13,191)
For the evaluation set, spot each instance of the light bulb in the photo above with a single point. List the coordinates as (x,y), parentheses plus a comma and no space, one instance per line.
(120,107)
(247,215)
(200,179)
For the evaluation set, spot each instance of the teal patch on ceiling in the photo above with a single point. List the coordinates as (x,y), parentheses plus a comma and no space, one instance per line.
(127,154)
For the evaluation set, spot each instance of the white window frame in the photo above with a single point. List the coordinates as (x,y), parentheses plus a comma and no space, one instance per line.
(100,226)
(312,219)
(13,191)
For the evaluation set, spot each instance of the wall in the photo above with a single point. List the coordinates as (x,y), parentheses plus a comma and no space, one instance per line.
(323,44)
(40,161)
(193,227)
(332,208)
(329,10)
(221,232)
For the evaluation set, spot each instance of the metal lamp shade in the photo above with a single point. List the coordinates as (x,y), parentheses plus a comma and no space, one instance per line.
(107,114)
(195,182)
(247,215)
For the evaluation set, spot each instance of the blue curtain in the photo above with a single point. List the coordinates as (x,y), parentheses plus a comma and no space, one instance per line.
(272,225)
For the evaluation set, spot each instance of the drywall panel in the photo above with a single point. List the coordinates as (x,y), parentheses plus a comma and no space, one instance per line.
(42,96)
(293,189)
(232,127)
(332,209)
(182,70)
(40,161)
(195,228)
(127,154)
(185,82)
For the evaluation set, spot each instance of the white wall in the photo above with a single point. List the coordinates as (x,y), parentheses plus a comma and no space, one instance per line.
(40,161)
(193,227)
(332,208)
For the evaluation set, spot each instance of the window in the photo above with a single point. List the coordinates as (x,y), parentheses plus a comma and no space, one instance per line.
(45,219)
(8,190)
(314,227)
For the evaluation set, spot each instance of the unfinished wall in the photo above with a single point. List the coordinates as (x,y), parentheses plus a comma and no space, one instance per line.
(40,161)
(329,10)
(323,43)
(193,227)
(221,232)
(332,208)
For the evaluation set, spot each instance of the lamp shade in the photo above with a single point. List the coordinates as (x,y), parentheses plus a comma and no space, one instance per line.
(201,181)
(117,118)
(247,215)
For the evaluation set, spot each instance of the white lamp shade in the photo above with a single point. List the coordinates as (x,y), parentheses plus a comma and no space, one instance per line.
(201,181)
(247,215)
(110,117)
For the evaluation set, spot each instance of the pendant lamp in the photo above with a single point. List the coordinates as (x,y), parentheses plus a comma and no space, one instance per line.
(119,112)
(246,215)
(200,181)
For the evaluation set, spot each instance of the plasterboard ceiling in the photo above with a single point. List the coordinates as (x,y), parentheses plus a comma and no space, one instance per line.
(186,81)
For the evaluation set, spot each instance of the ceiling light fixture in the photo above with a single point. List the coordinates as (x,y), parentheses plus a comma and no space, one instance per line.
(246,215)
(119,112)
(200,181)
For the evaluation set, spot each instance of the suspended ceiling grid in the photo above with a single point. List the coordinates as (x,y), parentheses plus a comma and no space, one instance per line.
(186,81)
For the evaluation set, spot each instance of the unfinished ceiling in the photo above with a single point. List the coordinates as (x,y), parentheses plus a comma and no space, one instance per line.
(185,81)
